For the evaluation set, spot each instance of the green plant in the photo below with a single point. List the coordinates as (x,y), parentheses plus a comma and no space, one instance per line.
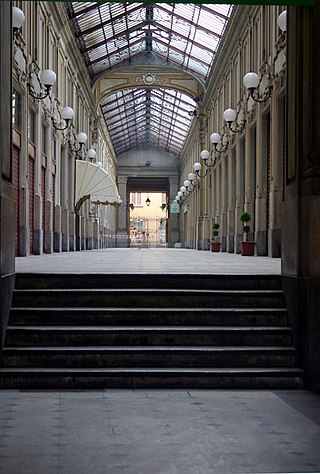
(215,233)
(245,218)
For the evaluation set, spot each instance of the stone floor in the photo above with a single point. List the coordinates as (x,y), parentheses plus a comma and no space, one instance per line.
(159,432)
(144,260)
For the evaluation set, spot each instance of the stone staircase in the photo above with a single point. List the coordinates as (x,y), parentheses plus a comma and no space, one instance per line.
(148,330)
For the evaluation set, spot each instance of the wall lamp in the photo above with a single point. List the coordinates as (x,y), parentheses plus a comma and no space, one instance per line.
(163,206)
(80,139)
(210,158)
(282,21)
(231,117)
(148,202)
(47,77)
(131,205)
(197,168)
(65,116)
(91,154)
(18,19)
(193,180)
(251,81)
(46,80)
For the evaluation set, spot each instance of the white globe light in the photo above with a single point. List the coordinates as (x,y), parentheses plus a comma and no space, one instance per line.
(215,138)
(191,177)
(67,113)
(205,154)
(229,115)
(18,18)
(91,153)
(251,80)
(197,167)
(82,138)
(186,183)
(48,77)
(177,198)
(180,194)
(183,189)
(282,21)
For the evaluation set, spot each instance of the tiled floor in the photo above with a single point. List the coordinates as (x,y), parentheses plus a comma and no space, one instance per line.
(159,432)
(147,260)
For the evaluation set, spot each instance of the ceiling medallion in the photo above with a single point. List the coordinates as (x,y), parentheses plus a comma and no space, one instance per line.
(148,79)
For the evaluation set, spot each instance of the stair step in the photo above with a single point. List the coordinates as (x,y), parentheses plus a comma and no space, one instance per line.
(147,280)
(230,378)
(148,316)
(146,335)
(149,330)
(148,297)
(148,356)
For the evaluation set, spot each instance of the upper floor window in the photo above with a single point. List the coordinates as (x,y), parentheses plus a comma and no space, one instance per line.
(16,110)
(31,126)
(135,199)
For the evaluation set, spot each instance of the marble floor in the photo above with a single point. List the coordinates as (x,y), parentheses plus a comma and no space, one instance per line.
(159,432)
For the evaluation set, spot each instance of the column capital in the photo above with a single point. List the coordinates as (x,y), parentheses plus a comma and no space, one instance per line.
(122,179)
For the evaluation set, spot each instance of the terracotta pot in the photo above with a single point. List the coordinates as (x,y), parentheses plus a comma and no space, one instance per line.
(215,246)
(247,248)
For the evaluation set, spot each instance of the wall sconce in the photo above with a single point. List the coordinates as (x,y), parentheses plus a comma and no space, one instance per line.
(18,19)
(231,116)
(81,139)
(46,80)
(65,115)
(282,21)
(193,180)
(197,168)
(131,206)
(210,158)
(148,202)
(91,154)
(183,189)
(163,206)
(251,82)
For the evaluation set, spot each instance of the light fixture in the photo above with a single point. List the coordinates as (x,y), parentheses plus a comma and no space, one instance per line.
(148,202)
(282,21)
(163,206)
(210,157)
(91,154)
(80,139)
(251,82)
(197,168)
(65,116)
(231,116)
(131,205)
(18,19)
(46,80)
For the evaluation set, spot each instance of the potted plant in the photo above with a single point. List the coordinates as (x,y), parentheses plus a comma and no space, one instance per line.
(247,246)
(214,242)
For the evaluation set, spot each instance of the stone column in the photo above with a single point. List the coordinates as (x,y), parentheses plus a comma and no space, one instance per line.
(301,208)
(122,227)
(65,230)
(173,224)
(7,231)
(57,238)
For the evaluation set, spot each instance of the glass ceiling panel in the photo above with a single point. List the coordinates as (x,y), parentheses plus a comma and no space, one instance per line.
(135,112)
(186,35)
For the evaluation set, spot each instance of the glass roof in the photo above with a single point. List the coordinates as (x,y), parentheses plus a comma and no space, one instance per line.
(140,117)
(183,35)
